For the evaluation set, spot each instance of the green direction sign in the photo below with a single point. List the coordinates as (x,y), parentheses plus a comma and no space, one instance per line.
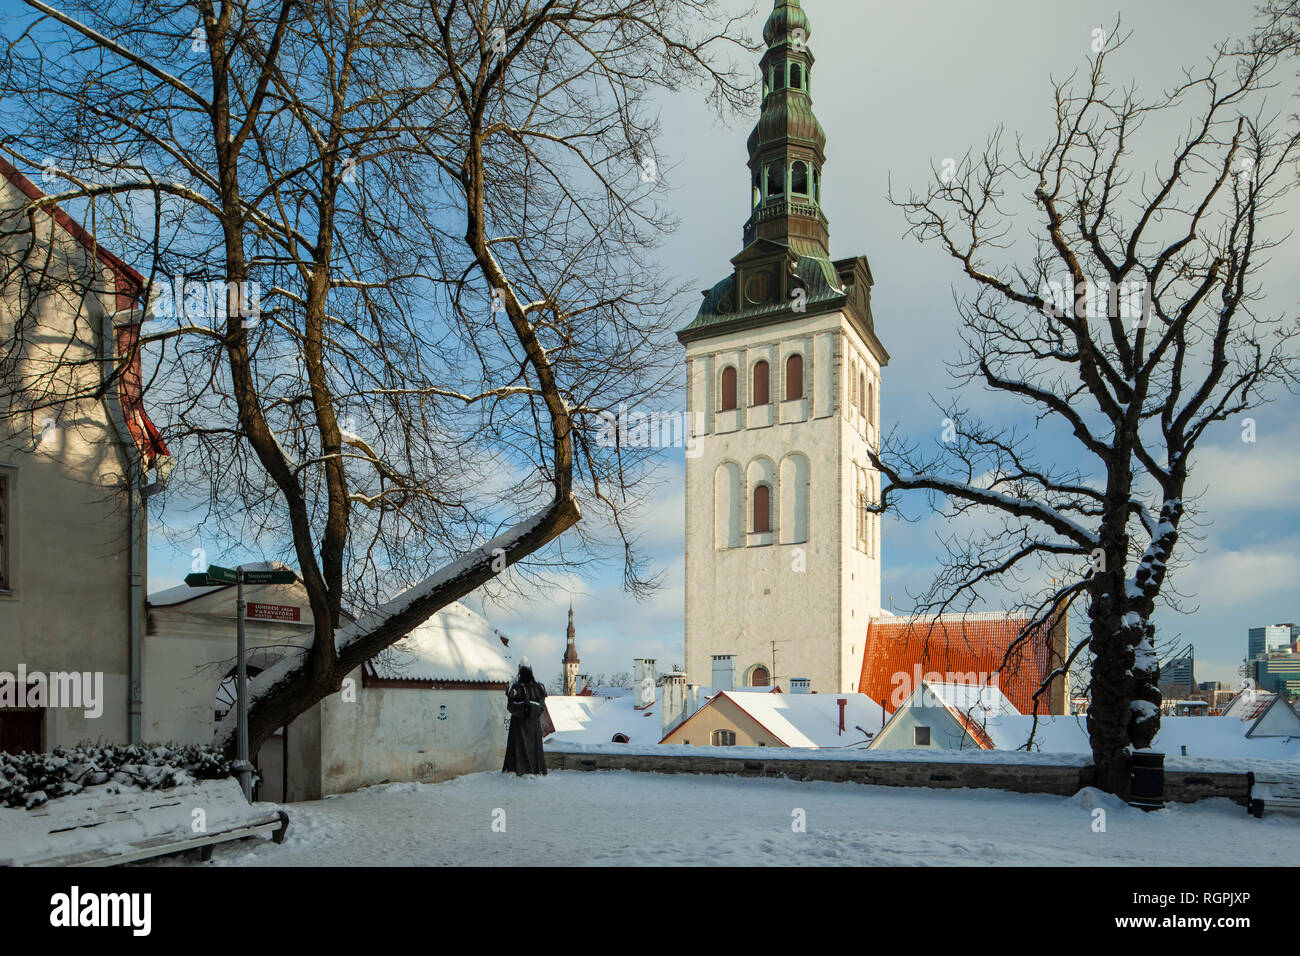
(223,575)
(268,577)
(219,575)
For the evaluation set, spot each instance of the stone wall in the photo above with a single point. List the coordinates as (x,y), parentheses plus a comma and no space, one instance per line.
(1180,786)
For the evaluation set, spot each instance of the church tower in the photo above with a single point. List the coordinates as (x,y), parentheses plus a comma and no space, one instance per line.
(783,383)
(571,662)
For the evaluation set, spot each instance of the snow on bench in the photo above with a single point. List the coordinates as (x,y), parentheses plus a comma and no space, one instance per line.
(107,825)
(1273,792)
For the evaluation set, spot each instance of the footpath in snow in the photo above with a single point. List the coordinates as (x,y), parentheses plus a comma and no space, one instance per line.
(607,818)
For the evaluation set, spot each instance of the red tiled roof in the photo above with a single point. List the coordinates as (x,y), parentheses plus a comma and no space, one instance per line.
(978,733)
(949,646)
(127,288)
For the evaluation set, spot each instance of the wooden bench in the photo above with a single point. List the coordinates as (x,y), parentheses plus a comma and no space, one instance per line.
(1273,792)
(101,828)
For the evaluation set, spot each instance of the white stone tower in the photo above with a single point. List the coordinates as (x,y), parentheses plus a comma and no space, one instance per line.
(783,381)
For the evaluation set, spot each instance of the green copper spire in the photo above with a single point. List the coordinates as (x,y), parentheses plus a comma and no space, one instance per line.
(787,149)
(787,16)
(784,272)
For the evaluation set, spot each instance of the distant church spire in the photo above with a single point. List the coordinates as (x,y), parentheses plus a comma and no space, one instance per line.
(787,149)
(570,660)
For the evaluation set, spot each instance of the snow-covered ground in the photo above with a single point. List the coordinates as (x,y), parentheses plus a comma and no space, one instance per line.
(574,818)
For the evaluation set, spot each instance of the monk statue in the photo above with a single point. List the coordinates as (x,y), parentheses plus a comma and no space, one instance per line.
(525,699)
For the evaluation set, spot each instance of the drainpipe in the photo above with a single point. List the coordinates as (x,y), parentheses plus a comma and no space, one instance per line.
(138,495)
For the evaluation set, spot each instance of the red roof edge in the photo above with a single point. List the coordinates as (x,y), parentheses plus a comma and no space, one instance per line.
(128,286)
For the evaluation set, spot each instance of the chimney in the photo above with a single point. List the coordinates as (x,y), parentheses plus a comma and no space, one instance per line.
(643,682)
(800,685)
(674,700)
(843,702)
(692,698)
(724,672)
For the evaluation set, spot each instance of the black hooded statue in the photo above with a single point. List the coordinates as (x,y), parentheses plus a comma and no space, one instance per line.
(525,701)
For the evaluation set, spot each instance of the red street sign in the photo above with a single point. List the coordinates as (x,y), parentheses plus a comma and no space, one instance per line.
(273,612)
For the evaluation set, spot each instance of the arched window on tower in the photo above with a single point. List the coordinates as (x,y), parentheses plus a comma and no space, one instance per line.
(817,186)
(796,76)
(762,393)
(862,393)
(762,509)
(871,404)
(758,188)
(728,388)
(775,179)
(794,377)
(799,178)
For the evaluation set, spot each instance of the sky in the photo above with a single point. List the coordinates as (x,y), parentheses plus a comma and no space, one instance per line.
(898,88)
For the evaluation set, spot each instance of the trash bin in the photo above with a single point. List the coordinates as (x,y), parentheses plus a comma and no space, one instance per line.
(1147,784)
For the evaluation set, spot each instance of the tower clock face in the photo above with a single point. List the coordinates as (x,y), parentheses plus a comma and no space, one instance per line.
(758,288)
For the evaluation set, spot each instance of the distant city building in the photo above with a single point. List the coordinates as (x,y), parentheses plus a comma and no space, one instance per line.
(1261,640)
(1216,692)
(1279,672)
(1179,671)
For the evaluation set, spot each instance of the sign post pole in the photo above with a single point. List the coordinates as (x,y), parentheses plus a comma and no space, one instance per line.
(217,576)
(243,767)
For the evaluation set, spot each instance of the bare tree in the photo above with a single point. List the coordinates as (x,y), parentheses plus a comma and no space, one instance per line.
(1131,323)
(433,227)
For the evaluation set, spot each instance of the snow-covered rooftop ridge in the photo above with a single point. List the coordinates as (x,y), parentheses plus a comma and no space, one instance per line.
(1217,738)
(977,700)
(812,720)
(455,644)
(951,616)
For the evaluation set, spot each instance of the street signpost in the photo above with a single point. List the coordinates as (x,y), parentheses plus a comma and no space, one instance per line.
(217,575)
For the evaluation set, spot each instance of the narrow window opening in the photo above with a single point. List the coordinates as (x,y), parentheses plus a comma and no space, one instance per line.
(762,509)
(775,180)
(728,388)
(793,377)
(799,178)
(762,380)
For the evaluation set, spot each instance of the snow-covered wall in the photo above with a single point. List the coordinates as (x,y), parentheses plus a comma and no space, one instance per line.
(392,734)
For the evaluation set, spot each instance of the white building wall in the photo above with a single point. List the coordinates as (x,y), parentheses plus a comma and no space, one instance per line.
(402,733)
(802,585)
(67,605)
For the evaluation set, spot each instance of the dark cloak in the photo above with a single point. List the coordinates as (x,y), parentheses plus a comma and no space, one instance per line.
(525,699)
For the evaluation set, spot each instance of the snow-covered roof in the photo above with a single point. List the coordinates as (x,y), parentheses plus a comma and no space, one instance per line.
(811,720)
(1247,705)
(595,720)
(454,645)
(1278,719)
(977,700)
(1222,738)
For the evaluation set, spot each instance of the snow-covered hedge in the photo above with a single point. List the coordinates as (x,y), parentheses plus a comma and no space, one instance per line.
(30,779)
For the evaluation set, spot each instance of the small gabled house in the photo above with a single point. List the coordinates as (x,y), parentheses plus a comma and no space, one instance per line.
(756,719)
(1277,719)
(939,716)
(972,648)
(429,708)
